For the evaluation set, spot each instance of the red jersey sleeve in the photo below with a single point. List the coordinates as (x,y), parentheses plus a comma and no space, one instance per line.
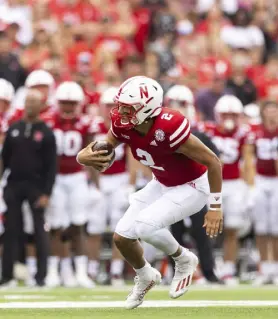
(116,132)
(178,132)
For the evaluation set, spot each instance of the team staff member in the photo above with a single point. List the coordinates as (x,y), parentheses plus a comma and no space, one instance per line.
(29,153)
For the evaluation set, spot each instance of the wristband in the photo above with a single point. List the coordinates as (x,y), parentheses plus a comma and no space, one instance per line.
(215,209)
(215,199)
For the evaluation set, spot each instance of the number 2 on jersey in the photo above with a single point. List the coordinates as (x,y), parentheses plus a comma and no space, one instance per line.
(166,116)
(147,159)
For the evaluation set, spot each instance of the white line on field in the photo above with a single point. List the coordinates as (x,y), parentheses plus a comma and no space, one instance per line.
(147,304)
(126,288)
(27,297)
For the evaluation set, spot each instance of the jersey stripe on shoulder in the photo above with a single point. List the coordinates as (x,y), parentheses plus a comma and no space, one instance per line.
(185,133)
(179,130)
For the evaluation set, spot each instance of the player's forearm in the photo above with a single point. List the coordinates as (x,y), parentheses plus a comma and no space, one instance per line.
(249,173)
(215,176)
(93,176)
(112,140)
(249,170)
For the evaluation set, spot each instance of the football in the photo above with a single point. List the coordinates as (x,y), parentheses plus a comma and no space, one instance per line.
(105,146)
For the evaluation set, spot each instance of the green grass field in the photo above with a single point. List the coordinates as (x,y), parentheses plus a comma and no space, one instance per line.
(105,302)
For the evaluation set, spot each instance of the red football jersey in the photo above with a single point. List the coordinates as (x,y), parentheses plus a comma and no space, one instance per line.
(157,148)
(266,145)
(120,164)
(71,136)
(230,147)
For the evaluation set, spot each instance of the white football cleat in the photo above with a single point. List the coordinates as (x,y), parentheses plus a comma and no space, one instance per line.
(84,281)
(184,270)
(8,284)
(231,281)
(52,279)
(142,286)
(275,281)
(30,282)
(117,281)
(68,279)
(262,280)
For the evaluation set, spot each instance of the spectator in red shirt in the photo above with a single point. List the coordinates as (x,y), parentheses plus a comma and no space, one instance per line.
(39,50)
(142,18)
(74,11)
(213,22)
(133,65)
(242,87)
(268,85)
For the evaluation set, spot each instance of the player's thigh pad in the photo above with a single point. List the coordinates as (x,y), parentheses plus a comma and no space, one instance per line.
(97,217)
(57,215)
(78,198)
(234,198)
(138,201)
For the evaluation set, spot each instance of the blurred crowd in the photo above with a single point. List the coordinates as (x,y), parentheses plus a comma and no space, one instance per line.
(213,47)
(200,44)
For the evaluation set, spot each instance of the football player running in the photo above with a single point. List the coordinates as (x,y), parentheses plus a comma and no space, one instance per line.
(187,175)
(69,201)
(263,146)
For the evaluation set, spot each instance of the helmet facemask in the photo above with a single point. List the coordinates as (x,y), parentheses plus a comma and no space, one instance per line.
(69,109)
(126,115)
(229,121)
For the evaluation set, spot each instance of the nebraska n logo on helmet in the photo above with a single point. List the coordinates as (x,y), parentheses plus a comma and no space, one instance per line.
(138,99)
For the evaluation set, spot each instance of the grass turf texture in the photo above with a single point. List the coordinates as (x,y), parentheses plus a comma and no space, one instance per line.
(153,313)
(158,296)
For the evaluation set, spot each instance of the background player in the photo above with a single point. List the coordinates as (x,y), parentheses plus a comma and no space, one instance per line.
(69,201)
(115,199)
(180,98)
(160,138)
(229,137)
(263,146)
(40,80)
